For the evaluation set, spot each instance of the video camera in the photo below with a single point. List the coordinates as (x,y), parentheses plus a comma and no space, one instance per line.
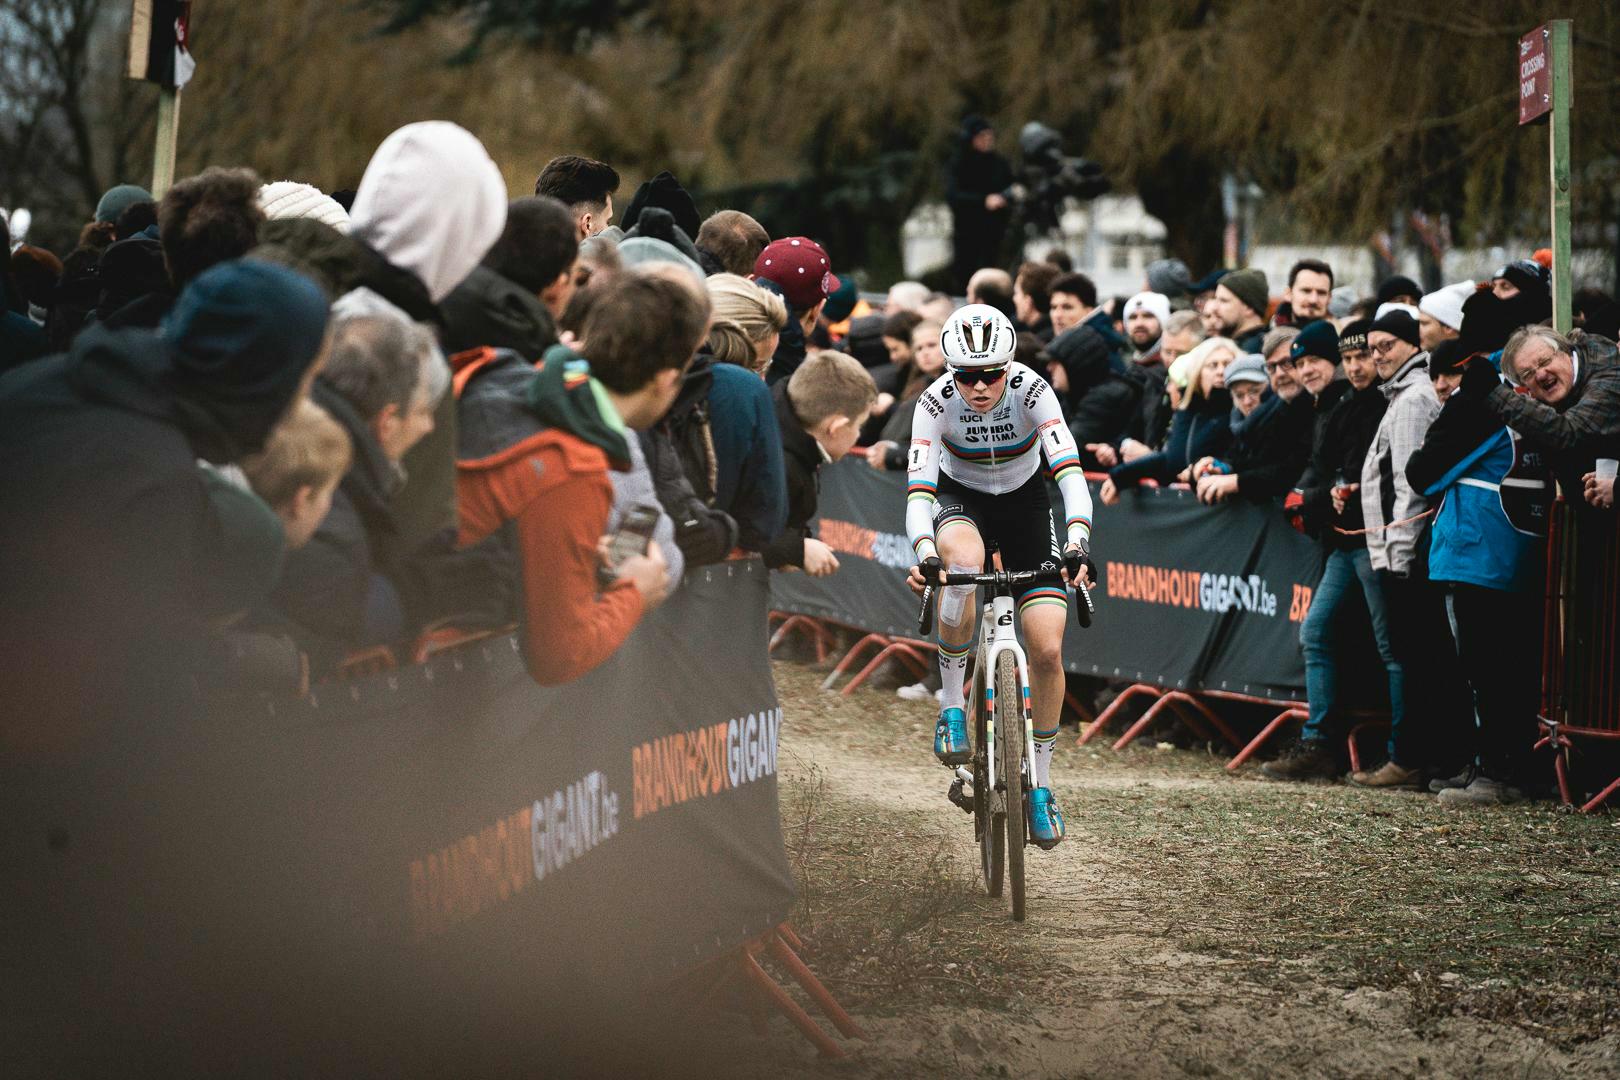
(1046,177)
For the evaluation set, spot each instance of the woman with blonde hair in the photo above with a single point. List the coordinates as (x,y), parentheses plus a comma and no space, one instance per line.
(1202,424)
(747,322)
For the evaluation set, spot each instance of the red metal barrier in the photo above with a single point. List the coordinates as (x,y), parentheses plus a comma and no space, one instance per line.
(1581,651)
(740,970)
(817,630)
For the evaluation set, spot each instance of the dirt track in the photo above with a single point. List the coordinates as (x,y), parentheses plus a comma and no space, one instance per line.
(1129,971)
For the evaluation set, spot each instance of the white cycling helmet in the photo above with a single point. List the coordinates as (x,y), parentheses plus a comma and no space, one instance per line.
(978,336)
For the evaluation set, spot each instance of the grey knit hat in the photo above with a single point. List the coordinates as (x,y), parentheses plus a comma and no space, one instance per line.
(1250,367)
(1169,276)
(1250,286)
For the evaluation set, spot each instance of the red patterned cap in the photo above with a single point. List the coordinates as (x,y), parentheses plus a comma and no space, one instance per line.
(800,268)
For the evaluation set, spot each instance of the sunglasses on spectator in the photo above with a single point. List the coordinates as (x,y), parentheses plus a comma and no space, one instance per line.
(1383,347)
(984,376)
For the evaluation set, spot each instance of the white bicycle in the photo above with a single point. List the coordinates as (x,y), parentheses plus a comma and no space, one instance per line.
(994,790)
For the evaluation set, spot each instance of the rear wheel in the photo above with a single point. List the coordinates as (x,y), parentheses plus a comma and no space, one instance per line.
(987,826)
(1010,736)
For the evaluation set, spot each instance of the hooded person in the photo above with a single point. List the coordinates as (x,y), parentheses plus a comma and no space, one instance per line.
(429,207)
(1100,401)
(114,551)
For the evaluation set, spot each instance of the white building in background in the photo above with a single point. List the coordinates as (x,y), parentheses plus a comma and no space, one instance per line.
(1113,239)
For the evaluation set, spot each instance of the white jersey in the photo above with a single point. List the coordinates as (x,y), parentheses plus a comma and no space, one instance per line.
(994,452)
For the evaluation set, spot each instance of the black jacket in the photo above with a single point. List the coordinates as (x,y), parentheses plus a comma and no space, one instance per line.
(681,472)
(1346,421)
(802,459)
(490,310)
(327,584)
(112,552)
(1269,456)
(1101,400)
(1150,423)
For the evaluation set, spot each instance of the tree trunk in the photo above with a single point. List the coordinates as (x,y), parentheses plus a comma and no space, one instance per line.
(1185,194)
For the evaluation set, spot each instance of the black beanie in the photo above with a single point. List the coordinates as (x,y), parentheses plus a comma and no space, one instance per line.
(1399,285)
(1398,323)
(1319,339)
(1354,334)
(1525,274)
(1447,358)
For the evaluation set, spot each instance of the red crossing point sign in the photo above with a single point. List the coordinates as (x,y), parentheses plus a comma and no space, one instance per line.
(1535,76)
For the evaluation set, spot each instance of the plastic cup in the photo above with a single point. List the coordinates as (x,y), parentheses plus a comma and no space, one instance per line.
(1606,467)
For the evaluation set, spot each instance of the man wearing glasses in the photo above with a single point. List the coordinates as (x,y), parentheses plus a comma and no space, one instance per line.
(977,442)
(1397,546)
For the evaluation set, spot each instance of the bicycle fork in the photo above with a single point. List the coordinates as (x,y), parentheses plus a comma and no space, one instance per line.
(998,636)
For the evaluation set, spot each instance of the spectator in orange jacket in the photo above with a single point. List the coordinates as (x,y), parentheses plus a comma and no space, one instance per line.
(535,446)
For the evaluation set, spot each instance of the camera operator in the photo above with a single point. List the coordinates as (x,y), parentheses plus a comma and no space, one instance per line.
(1048,177)
(976,182)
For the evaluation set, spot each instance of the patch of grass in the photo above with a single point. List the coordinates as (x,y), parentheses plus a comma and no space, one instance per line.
(1507,914)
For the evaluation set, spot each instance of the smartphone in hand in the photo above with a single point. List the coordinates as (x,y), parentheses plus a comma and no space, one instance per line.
(635,532)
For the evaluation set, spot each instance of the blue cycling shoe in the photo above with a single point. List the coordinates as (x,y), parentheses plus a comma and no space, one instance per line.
(1045,819)
(951,738)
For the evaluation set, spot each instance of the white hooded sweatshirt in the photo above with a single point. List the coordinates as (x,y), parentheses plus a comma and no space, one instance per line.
(431,202)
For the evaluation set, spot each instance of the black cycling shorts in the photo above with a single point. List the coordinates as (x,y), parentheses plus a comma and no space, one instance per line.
(1018,523)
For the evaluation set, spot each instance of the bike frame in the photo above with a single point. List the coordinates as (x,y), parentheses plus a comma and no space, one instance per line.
(998,634)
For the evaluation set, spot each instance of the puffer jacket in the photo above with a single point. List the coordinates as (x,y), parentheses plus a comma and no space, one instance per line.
(1398,536)
(1496,492)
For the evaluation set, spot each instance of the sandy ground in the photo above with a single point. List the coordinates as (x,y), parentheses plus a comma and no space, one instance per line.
(1120,986)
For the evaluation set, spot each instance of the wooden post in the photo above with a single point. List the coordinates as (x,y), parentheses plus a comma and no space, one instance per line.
(168,136)
(1559,48)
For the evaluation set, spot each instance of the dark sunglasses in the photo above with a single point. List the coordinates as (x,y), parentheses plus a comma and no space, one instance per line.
(984,376)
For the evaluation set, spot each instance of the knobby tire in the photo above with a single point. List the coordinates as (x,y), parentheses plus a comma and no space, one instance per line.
(987,826)
(1010,736)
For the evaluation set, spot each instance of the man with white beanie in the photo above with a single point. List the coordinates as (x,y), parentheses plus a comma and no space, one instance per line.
(1145,315)
(1440,314)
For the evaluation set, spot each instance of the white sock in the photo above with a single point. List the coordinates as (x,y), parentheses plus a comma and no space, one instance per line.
(952,671)
(1042,765)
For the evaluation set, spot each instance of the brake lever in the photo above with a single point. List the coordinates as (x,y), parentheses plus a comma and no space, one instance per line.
(925,618)
(1084,610)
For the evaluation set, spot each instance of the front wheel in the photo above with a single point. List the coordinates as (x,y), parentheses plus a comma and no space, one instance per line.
(987,826)
(1010,737)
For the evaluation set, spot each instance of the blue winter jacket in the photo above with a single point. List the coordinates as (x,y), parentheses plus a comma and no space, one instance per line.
(1491,526)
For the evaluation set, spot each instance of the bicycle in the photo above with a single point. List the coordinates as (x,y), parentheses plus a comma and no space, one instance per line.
(993,791)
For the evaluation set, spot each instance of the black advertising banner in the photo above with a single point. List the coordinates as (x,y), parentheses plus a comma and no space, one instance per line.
(434,848)
(1191,597)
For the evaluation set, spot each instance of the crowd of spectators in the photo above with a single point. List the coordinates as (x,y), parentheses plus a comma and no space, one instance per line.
(255,431)
(1416,435)
(258,429)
